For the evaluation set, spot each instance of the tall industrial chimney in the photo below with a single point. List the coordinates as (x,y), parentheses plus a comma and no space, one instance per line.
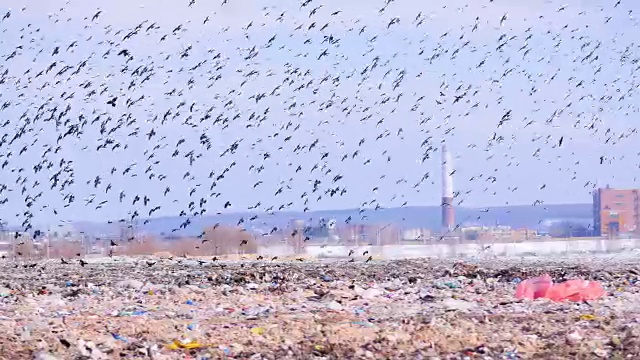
(447,191)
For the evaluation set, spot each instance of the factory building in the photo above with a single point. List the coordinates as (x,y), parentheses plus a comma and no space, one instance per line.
(416,235)
(497,233)
(616,211)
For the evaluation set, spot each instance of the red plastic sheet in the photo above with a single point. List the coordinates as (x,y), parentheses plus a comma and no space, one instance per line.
(570,290)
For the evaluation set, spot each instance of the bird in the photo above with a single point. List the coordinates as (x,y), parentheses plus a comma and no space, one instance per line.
(303,118)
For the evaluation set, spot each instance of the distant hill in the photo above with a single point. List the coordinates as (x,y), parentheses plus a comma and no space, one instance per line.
(522,216)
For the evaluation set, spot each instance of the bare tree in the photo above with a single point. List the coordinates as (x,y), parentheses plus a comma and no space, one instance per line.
(143,245)
(224,240)
(64,249)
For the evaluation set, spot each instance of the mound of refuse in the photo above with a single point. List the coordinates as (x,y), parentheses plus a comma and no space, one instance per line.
(178,308)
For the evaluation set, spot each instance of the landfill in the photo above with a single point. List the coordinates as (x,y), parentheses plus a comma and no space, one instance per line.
(403,309)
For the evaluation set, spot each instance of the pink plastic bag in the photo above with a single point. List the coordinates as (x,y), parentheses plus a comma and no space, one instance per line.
(576,290)
(534,288)
(572,290)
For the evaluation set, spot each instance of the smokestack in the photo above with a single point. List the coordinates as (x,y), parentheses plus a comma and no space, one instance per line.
(447,191)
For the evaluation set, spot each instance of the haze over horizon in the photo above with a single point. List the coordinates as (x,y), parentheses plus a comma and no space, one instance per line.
(251,103)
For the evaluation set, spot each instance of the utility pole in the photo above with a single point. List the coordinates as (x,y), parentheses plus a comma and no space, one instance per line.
(85,244)
(13,245)
(298,230)
(48,246)
(3,235)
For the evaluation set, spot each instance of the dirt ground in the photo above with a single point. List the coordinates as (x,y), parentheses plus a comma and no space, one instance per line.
(410,309)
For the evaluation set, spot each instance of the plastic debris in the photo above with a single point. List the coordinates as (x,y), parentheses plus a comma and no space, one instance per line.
(587,317)
(571,290)
(534,288)
(185,344)
(576,290)
(362,323)
(132,313)
(118,337)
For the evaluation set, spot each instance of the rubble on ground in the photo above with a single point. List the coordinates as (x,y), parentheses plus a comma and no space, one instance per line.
(436,309)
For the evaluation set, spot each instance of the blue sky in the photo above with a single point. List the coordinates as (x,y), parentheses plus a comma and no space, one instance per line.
(546,73)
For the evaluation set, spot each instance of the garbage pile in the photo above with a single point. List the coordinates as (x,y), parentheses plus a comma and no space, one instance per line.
(162,309)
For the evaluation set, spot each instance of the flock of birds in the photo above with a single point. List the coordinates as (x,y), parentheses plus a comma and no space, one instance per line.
(299,107)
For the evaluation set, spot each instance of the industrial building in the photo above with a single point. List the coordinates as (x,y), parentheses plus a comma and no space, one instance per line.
(616,211)
(566,227)
(497,233)
(416,235)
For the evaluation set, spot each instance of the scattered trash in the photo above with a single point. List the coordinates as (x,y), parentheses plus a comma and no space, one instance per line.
(371,293)
(185,344)
(256,312)
(118,337)
(362,323)
(574,338)
(454,304)
(512,355)
(334,305)
(372,302)
(452,285)
(225,350)
(132,313)
(359,311)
